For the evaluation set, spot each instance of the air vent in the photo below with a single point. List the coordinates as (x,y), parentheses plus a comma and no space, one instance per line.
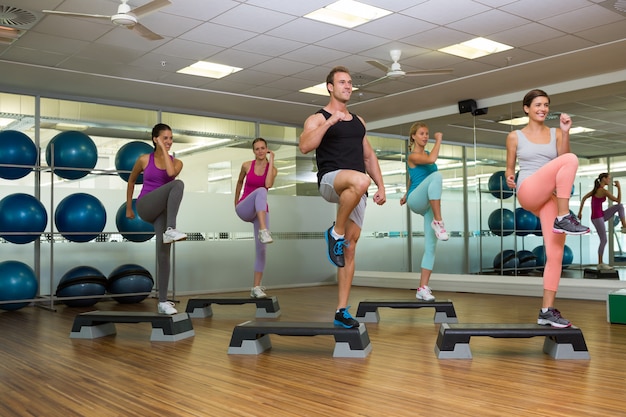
(618,6)
(15,17)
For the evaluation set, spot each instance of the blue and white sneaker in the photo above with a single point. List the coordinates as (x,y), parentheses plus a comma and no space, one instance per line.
(344,318)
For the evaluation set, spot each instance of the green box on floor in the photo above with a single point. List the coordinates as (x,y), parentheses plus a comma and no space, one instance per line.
(616,307)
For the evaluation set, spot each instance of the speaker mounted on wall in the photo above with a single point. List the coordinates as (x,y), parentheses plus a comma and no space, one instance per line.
(470,106)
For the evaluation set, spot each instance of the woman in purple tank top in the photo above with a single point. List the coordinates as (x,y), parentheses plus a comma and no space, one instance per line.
(598,195)
(158,203)
(251,206)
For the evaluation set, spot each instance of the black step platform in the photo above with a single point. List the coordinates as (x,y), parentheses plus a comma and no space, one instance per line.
(201,307)
(252,337)
(368,309)
(165,328)
(453,339)
(600,274)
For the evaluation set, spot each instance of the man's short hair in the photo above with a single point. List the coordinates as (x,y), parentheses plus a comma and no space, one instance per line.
(331,75)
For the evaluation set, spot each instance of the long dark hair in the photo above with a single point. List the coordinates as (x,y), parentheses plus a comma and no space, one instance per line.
(156,131)
(597,181)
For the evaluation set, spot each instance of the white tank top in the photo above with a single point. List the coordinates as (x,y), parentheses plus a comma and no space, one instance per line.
(532,156)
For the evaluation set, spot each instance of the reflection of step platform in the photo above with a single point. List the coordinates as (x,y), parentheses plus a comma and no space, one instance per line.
(368,309)
(453,339)
(601,274)
(201,307)
(165,328)
(252,337)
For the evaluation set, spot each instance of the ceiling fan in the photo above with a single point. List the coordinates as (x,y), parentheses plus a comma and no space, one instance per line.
(395,70)
(125,16)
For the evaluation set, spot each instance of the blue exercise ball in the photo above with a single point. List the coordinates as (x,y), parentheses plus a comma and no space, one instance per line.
(568,256)
(82,281)
(129,279)
(22,213)
(16,148)
(82,213)
(126,157)
(501,222)
(506,261)
(72,149)
(527,261)
(135,230)
(17,282)
(497,185)
(540,254)
(525,222)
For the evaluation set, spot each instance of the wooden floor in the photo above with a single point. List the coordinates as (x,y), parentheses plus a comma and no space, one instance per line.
(45,373)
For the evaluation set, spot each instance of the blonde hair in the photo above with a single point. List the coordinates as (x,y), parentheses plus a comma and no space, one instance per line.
(414,128)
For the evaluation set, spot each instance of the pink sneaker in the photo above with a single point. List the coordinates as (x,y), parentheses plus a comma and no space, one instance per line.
(440,230)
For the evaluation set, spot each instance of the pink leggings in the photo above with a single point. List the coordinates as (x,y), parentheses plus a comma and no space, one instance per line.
(537,196)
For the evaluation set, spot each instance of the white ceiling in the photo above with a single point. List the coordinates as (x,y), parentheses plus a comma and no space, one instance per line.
(573,48)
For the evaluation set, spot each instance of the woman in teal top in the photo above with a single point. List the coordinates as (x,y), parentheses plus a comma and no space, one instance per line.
(424,197)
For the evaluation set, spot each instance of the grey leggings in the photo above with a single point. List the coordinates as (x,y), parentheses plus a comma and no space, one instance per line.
(160,208)
(600,227)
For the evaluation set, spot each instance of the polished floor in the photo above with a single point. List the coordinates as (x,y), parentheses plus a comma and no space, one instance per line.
(43,372)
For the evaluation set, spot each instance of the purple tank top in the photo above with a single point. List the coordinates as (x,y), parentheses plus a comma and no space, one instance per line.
(253,181)
(596,207)
(153,177)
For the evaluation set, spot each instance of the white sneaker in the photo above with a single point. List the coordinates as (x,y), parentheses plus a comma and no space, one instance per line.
(167,307)
(265,236)
(258,292)
(173,235)
(424,293)
(440,230)
(605,267)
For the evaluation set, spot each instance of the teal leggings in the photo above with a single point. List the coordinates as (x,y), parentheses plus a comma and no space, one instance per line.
(419,203)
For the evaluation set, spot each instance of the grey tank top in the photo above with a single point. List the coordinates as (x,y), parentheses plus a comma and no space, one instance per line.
(532,156)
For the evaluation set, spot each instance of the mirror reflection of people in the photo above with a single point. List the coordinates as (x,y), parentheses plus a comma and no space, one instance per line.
(599,194)
(256,177)
(158,203)
(423,197)
(547,170)
(346,164)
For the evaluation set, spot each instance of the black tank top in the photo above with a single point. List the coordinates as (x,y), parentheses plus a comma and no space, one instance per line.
(341,147)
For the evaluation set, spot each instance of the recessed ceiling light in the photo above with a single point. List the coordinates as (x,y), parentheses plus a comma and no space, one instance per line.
(319,89)
(209,70)
(347,13)
(517,121)
(475,48)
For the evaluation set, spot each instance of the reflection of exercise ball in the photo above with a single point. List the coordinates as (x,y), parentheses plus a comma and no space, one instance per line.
(72,149)
(16,149)
(22,213)
(82,281)
(525,222)
(126,157)
(501,222)
(80,212)
(128,279)
(526,261)
(506,260)
(17,282)
(128,227)
(540,254)
(497,185)
(568,256)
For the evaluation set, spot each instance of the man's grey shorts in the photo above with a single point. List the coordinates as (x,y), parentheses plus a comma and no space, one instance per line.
(327,190)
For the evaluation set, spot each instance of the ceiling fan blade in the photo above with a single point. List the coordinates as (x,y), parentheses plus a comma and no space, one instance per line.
(153,6)
(428,72)
(145,32)
(376,81)
(380,66)
(95,16)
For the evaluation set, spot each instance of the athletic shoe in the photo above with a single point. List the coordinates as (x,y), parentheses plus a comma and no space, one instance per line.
(167,307)
(569,225)
(553,318)
(335,248)
(265,236)
(424,293)
(258,292)
(605,267)
(440,230)
(173,235)
(344,319)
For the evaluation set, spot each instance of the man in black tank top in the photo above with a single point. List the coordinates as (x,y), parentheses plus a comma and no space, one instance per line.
(346,164)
